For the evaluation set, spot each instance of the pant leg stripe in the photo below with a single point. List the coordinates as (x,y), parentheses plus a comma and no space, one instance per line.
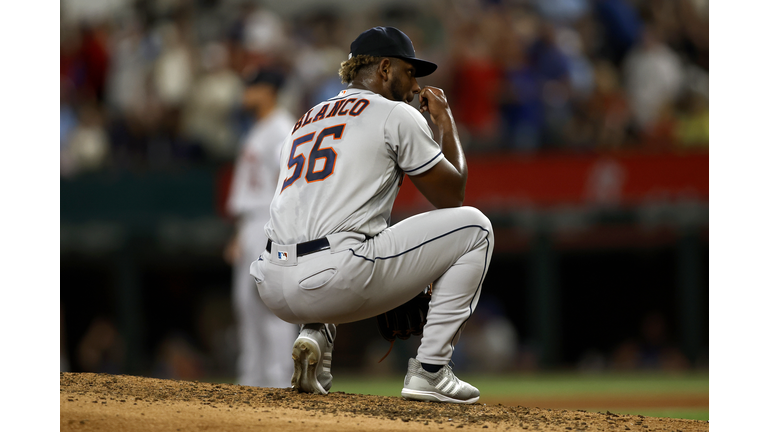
(485,267)
(482,278)
(421,244)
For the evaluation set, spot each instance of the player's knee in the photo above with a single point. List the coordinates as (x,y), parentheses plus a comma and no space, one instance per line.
(478,218)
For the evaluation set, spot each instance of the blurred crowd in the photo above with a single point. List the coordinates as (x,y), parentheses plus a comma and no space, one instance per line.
(157,84)
(490,343)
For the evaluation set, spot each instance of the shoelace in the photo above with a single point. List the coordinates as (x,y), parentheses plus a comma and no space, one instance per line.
(455,380)
(392,345)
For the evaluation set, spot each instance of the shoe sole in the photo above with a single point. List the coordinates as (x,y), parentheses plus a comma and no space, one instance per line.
(429,396)
(306,354)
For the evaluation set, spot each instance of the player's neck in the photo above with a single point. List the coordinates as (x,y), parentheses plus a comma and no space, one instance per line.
(365,85)
(357,85)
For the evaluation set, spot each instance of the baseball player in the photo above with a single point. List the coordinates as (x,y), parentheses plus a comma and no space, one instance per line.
(264,339)
(332,257)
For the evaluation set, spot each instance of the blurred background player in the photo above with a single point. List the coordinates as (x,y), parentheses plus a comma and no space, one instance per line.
(264,339)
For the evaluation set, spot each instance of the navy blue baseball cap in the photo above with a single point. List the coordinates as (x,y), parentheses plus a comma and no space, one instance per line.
(390,42)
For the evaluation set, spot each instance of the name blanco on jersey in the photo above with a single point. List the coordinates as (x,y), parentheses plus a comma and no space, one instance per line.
(340,108)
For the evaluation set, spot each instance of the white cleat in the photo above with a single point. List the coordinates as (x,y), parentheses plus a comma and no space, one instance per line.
(440,386)
(312,359)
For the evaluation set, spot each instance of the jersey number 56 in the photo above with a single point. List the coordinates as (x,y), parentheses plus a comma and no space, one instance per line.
(296,161)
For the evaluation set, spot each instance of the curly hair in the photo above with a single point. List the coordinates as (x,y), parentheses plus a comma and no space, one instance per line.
(350,68)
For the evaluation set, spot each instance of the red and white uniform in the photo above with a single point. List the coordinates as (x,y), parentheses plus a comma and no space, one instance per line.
(264,339)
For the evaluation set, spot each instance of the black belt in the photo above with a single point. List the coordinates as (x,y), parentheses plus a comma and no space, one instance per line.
(306,248)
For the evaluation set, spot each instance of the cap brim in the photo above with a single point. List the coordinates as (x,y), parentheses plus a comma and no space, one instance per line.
(423,67)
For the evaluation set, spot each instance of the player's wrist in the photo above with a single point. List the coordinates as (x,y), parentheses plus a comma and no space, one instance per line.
(444,120)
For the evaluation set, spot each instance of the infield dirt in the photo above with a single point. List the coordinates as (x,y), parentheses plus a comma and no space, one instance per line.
(100,402)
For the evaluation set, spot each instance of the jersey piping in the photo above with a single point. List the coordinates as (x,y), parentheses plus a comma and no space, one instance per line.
(425,164)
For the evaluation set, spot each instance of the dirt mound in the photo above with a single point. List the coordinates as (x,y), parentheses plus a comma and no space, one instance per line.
(91,402)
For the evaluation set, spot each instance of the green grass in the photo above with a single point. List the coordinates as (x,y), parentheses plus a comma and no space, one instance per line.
(546,384)
(542,385)
(563,384)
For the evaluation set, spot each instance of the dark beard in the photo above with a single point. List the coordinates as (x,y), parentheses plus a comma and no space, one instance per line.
(398,90)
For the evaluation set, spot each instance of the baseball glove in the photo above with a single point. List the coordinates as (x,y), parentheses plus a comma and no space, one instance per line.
(405,320)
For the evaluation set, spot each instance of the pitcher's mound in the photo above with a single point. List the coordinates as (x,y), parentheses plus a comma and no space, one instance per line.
(100,402)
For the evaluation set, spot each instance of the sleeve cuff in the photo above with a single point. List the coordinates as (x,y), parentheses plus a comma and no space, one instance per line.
(426,166)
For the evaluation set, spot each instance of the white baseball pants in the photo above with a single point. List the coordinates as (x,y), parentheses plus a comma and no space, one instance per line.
(359,277)
(264,340)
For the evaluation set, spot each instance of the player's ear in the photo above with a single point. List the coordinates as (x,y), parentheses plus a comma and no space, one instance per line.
(385,67)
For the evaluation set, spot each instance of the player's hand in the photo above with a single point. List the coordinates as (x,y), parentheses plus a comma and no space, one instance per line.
(433,101)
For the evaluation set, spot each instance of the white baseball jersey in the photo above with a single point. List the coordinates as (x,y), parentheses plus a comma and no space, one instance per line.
(253,182)
(263,339)
(342,166)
